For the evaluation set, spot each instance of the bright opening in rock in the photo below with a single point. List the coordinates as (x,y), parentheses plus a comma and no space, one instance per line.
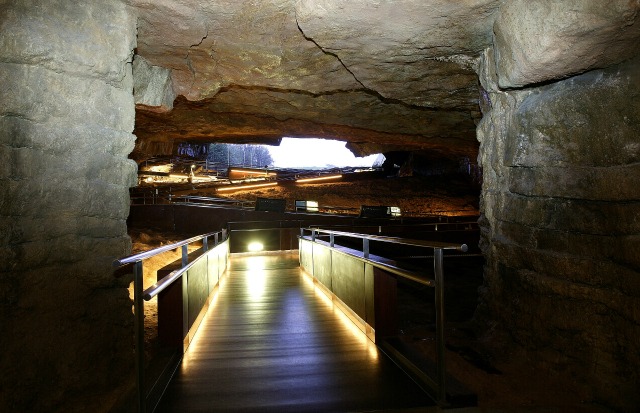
(319,154)
(307,153)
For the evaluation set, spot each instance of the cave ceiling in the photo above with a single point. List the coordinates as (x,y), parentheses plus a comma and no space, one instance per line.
(382,75)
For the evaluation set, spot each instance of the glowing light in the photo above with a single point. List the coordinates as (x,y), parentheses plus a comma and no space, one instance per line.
(307,206)
(256,277)
(255,246)
(350,323)
(253,172)
(320,178)
(195,347)
(241,187)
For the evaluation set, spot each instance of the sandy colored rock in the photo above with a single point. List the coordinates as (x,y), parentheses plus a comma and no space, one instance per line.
(66,118)
(391,75)
(152,86)
(559,162)
(538,41)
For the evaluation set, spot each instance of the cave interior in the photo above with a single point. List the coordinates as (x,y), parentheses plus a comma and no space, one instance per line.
(542,97)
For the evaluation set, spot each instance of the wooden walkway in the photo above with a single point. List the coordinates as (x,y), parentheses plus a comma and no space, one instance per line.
(271,342)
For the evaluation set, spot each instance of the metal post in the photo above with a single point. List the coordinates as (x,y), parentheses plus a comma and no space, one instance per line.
(216,238)
(439,298)
(138,305)
(331,240)
(205,244)
(313,235)
(365,247)
(185,255)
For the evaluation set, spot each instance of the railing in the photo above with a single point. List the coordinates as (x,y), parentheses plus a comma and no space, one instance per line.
(439,384)
(140,295)
(205,200)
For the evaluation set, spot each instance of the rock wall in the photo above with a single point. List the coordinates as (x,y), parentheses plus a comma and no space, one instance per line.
(66,117)
(561,222)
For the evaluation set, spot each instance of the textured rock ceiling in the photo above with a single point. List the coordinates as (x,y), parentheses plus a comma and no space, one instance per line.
(384,75)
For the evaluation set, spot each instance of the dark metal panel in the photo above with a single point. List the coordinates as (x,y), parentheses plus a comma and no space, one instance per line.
(223,256)
(170,313)
(271,204)
(197,288)
(369,299)
(269,238)
(212,264)
(306,256)
(386,304)
(347,282)
(289,238)
(322,265)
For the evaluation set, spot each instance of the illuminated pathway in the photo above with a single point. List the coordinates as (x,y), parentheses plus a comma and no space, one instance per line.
(271,342)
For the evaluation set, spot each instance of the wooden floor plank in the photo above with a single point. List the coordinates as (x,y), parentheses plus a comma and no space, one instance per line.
(271,342)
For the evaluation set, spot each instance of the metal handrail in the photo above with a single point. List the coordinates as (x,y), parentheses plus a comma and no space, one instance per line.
(139,296)
(151,253)
(439,384)
(167,280)
(395,240)
(205,200)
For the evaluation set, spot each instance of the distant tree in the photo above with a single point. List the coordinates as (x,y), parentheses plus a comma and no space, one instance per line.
(193,150)
(262,156)
(225,154)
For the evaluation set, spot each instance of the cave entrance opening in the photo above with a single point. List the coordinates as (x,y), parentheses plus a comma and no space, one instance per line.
(297,153)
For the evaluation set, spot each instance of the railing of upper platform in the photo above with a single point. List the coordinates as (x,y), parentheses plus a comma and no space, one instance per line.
(439,384)
(153,196)
(140,295)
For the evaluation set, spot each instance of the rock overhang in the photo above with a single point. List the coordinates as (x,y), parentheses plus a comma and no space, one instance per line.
(379,75)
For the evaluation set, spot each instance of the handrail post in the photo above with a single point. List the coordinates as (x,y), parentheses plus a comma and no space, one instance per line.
(205,244)
(313,235)
(216,238)
(365,247)
(138,305)
(440,343)
(185,255)
(331,240)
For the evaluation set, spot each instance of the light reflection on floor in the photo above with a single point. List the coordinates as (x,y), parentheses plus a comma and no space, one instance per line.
(274,342)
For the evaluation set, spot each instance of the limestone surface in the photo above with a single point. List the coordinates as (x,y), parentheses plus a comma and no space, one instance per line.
(538,40)
(560,231)
(152,86)
(66,122)
(377,74)
(550,89)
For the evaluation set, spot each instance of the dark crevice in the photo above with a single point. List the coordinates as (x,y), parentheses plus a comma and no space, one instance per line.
(365,90)
(188,57)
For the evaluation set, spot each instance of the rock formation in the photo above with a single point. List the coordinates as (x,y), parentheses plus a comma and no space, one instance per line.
(560,203)
(550,89)
(66,122)
(381,76)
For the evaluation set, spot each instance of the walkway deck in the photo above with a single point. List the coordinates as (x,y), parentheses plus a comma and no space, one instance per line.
(272,342)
